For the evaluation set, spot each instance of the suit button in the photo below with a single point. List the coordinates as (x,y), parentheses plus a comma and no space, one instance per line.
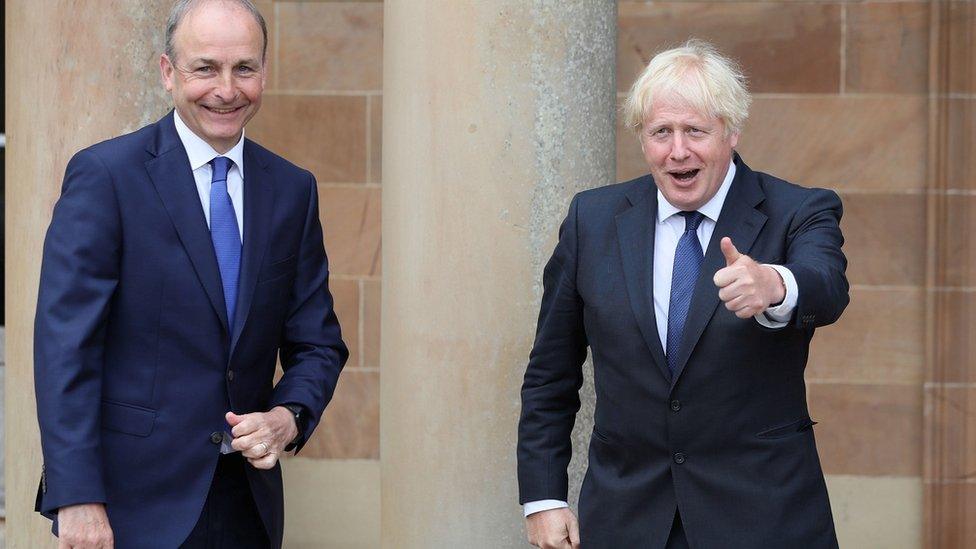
(216,437)
(230,375)
(675,405)
(679,458)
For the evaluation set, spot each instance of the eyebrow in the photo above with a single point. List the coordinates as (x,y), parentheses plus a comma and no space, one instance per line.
(247,61)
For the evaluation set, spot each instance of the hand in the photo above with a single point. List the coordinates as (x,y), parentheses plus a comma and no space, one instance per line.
(84,526)
(553,529)
(746,287)
(262,436)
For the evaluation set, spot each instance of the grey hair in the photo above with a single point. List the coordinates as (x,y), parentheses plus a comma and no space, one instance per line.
(182,7)
(696,74)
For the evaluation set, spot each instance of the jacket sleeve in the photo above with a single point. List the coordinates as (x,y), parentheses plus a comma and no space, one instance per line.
(815,258)
(312,351)
(550,390)
(79,275)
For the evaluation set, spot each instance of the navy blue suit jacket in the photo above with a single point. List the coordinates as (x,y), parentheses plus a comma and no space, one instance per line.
(134,361)
(728,440)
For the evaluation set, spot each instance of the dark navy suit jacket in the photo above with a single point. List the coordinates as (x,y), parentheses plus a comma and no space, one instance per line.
(728,441)
(134,361)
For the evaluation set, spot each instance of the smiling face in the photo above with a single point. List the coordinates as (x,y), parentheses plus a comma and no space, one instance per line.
(218,74)
(688,153)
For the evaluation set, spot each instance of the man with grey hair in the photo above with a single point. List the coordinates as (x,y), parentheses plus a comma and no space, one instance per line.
(702,437)
(181,261)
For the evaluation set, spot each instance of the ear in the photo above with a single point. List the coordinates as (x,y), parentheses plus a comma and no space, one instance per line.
(733,139)
(167,71)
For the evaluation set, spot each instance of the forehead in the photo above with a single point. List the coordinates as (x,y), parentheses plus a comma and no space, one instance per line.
(672,110)
(218,29)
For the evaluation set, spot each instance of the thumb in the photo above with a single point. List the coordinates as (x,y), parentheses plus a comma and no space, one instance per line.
(728,250)
(574,534)
(233,419)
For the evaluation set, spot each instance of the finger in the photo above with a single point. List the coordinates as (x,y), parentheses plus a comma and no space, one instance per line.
(266,462)
(742,307)
(745,313)
(730,292)
(725,276)
(574,534)
(254,441)
(233,419)
(256,451)
(742,303)
(249,424)
(728,250)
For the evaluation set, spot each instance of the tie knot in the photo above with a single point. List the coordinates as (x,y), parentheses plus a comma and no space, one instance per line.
(221,164)
(692,220)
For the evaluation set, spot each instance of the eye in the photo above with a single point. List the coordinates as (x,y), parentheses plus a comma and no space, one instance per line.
(696,131)
(245,69)
(205,69)
(661,132)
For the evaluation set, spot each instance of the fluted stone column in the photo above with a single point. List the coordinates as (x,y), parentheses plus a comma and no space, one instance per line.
(76,75)
(495,113)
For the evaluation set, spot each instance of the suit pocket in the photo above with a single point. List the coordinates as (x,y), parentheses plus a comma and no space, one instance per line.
(601,437)
(127,418)
(789,429)
(277,269)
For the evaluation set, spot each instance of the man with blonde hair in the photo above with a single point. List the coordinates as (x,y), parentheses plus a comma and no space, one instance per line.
(697,289)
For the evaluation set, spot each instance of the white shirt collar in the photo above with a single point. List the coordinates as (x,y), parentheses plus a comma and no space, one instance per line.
(200,152)
(710,209)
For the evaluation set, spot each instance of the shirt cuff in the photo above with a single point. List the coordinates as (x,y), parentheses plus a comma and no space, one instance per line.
(541,505)
(779,316)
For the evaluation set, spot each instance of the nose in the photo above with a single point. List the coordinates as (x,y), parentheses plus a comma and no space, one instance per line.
(225,90)
(679,149)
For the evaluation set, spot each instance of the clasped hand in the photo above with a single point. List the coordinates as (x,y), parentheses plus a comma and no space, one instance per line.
(747,288)
(553,529)
(262,436)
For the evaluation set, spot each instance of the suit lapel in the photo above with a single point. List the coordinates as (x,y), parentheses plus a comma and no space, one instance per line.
(258,206)
(170,173)
(635,233)
(740,221)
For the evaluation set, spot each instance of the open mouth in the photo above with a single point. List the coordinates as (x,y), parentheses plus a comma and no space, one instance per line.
(685,175)
(217,110)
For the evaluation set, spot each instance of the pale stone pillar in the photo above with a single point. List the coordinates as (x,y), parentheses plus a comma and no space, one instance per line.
(495,113)
(75,75)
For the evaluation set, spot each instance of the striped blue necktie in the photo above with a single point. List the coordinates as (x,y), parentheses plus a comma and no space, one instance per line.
(225,234)
(688,259)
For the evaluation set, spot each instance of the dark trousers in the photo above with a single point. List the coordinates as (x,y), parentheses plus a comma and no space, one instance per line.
(677,539)
(229,519)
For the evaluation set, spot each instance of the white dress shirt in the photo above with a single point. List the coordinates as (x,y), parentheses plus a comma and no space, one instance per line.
(200,154)
(668,230)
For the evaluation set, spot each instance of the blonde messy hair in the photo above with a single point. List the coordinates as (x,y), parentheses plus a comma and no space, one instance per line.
(695,74)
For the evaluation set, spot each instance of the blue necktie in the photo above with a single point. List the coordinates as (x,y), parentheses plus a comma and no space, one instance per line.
(688,259)
(225,234)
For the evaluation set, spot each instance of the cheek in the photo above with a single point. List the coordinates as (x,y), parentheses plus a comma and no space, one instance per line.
(656,156)
(252,89)
(192,92)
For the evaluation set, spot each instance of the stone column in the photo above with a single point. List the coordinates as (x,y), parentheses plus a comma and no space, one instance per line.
(75,75)
(950,383)
(495,113)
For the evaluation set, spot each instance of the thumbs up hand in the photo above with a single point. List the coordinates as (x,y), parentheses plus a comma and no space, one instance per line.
(747,288)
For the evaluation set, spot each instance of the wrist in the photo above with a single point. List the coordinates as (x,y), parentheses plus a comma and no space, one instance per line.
(296,413)
(777,287)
